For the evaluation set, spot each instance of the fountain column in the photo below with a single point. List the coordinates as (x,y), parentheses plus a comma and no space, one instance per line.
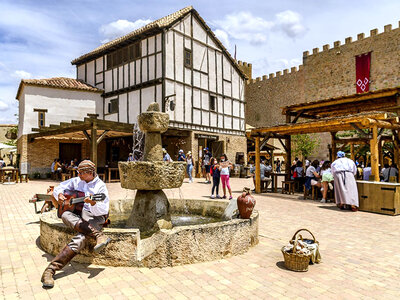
(151,207)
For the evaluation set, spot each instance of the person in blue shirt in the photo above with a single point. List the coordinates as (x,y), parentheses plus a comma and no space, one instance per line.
(181,155)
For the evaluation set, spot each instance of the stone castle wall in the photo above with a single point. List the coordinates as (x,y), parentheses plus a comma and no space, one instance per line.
(324,74)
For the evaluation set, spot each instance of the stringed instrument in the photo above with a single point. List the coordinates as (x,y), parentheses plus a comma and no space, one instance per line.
(75,201)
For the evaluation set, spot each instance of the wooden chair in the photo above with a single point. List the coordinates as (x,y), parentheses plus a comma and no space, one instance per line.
(314,192)
(289,184)
(65,176)
(23,177)
(102,176)
(265,183)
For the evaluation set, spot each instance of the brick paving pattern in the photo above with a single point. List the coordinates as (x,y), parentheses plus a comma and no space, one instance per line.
(360,256)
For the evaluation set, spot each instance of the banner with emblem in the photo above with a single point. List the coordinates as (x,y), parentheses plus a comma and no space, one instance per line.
(363,66)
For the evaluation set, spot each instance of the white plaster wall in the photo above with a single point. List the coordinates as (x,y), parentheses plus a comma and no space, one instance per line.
(179,50)
(134,106)
(108,81)
(123,106)
(152,45)
(147,97)
(81,72)
(159,42)
(188,104)
(198,31)
(90,77)
(152,65)
(236,108)
(21,113)
(57,101)
(144,69)
(99,64)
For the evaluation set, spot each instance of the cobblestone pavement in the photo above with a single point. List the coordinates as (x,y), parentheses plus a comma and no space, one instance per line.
(360,256)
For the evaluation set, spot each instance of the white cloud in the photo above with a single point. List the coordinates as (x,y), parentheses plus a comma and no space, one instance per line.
(119,28)
(223,37)
(22,74)
(291,23)
(3,106)
(245,26)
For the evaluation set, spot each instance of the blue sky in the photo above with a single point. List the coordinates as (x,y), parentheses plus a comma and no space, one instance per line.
(39,38)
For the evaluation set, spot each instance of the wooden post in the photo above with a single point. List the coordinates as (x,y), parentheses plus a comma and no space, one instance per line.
(333,134)
(375,154)
(352,151)
(93,144)
(380,151)
(257,162)
(288,144)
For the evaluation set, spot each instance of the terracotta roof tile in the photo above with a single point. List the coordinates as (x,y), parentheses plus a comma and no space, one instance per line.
(60,83)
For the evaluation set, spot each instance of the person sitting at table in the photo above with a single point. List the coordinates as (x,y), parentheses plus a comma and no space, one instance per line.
(57,169)
(367,172)
(263,170)
(298,175)
(311,177)
(390,171)
(327,179)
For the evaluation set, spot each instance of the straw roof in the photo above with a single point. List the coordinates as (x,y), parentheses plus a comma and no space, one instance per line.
(59,83)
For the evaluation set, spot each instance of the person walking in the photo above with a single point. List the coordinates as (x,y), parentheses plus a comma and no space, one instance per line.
(216,176)
(189,165)
(343,171)
(225,166)
(207,165)
(181,155)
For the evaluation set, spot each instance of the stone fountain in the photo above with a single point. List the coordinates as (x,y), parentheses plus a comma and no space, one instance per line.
(143,234)
(151,209)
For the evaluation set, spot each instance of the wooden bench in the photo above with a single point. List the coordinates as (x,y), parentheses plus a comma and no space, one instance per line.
(289,184)
(48,199)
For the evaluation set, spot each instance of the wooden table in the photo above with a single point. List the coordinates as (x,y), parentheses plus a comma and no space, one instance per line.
(274,177)
(14,174)
(110,170)
(72,171)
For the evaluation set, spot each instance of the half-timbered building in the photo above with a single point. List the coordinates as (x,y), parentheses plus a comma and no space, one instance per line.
(178,62)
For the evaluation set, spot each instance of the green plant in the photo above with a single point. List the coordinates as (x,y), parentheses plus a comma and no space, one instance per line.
(305,144)
(36,175)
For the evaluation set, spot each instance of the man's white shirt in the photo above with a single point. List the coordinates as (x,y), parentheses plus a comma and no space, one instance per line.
(95,186)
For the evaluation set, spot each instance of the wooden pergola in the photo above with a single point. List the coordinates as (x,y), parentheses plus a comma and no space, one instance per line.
(368,113)
(91,128)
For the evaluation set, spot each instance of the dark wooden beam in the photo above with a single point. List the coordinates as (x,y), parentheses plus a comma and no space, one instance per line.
(102,136)
(299,114)
(360,131)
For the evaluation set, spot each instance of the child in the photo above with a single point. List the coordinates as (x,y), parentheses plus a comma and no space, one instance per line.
(215,173)
(225,166)
(327,178)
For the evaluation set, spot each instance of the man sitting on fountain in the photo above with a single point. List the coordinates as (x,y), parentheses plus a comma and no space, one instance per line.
(88,224)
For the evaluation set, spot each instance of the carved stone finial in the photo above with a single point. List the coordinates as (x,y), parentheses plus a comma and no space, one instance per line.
(153,107)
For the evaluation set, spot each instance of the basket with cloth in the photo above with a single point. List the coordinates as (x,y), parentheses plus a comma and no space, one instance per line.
(300,252)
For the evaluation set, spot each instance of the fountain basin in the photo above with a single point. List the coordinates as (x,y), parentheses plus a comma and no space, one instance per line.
(155,175)
(153,121)
(177,246)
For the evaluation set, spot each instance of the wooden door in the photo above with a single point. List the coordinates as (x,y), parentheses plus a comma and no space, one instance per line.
(70,151)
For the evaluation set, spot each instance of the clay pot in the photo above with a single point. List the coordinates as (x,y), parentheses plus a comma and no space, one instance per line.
(245,203)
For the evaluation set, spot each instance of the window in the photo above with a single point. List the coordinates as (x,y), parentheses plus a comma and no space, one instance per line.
(124,55)
(188,58)
(113,106)
(41,117)
(211,103)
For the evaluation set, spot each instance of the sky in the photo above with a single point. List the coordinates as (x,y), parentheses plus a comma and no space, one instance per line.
(40,38)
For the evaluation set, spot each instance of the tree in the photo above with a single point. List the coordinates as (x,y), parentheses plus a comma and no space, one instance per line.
(305,144)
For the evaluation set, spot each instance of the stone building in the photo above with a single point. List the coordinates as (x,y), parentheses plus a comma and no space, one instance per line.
(324,74)
(175,61)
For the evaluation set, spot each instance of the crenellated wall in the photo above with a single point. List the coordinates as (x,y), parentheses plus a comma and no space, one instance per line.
(246,68)
(324,74)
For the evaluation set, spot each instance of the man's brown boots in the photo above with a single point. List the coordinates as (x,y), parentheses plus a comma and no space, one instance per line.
(56,264)
(87,229)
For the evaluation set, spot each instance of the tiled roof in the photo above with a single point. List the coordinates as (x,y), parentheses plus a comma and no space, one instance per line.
(160,23)
(60,83)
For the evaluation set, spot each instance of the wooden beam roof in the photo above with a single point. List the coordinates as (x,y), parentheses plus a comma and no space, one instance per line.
(364,120)
(75,128)
(381,100)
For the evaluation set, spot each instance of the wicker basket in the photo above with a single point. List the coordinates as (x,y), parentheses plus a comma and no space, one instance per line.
(295,261)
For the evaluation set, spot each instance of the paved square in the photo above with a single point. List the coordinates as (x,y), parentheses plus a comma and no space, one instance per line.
(360,255)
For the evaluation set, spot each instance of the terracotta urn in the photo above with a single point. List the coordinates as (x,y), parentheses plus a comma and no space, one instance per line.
(246,203)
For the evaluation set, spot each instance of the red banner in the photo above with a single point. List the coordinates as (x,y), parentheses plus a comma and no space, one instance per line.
(363,66)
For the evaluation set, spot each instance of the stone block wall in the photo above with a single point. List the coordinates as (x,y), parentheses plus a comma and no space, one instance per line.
(324,74)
